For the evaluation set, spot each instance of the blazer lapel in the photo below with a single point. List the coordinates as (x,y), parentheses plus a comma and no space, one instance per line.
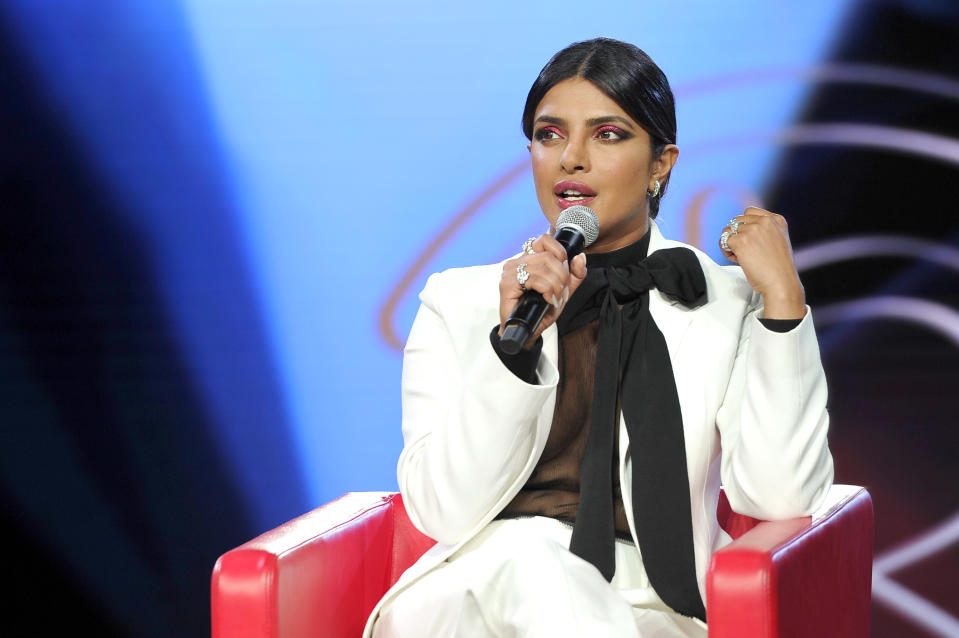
(551,345)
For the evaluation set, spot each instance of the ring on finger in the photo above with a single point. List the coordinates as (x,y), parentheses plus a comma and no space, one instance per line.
(528,246)
(722,241)
(522,275)
(734,225)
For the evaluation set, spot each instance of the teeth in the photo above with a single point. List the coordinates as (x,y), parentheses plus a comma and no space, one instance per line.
(571,192)
(573,198)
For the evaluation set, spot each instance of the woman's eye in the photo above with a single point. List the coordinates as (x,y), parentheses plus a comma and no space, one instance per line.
(547,133)
(610,133)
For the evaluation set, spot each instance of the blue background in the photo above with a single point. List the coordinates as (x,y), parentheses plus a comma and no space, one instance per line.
(245,199)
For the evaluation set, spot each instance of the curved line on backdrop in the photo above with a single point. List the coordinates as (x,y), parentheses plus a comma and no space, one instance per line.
(914,607)
(829,251)
(388,309)
(853,134)
(908,141)
(931,542)
(869,74)
(692,220)
(929,314)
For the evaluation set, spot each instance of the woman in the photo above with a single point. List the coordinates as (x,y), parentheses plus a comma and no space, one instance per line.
(572,488)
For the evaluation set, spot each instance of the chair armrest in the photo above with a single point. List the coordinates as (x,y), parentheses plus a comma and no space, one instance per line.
(808,576)
(319,574)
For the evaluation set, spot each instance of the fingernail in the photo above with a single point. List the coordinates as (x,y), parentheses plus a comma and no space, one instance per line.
(555,303)
(565,295)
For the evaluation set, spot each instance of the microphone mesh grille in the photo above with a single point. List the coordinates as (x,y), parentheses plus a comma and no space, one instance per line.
(583,219)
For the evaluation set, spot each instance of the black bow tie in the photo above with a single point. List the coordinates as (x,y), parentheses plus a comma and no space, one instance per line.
(632,364)
(675,272)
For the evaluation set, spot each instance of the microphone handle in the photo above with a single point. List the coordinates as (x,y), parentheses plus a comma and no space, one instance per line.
(532,307)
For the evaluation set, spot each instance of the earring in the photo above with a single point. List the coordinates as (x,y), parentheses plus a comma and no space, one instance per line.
(655,191)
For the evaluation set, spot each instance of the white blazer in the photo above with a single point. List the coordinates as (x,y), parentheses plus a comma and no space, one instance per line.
(753,403)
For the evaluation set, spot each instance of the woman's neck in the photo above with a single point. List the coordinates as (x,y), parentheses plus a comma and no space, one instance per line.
(629,254)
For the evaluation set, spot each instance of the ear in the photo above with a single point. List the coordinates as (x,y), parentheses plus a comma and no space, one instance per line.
(529,147)
(663,164)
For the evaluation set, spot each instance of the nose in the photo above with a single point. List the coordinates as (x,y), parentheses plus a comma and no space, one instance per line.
(575,157)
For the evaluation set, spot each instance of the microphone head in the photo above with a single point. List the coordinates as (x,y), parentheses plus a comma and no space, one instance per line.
(580,218)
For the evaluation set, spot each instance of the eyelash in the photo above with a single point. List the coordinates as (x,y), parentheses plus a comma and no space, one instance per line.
(544,133)
(620,134)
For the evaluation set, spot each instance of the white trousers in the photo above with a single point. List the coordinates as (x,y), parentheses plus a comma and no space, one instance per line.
(517,578)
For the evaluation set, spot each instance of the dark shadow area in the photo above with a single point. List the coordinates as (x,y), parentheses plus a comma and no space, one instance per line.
(892,384)
(116,501)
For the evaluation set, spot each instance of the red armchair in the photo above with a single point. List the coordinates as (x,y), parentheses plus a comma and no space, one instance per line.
(322,573)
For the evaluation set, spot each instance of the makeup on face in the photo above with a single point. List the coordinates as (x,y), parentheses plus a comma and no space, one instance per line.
(587,151)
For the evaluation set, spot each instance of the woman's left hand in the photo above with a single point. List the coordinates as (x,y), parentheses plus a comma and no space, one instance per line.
(761,246)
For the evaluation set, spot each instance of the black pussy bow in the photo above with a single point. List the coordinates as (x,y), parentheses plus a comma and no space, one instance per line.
(631,347)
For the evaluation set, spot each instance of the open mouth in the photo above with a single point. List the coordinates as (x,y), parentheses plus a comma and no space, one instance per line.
(573,191)
(573,195)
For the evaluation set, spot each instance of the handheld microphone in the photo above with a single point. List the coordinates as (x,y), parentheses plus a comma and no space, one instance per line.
(576,228)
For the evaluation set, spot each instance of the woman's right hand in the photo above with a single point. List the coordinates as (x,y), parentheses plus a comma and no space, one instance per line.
(549,275)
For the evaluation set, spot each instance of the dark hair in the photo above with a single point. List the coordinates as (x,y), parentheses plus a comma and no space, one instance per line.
(628,76)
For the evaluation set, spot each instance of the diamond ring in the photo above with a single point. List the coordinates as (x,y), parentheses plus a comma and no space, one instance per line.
(722,241)
(522,275)
(734,225)
(528,246)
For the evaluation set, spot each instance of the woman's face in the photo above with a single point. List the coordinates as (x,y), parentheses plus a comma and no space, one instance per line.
(586,150)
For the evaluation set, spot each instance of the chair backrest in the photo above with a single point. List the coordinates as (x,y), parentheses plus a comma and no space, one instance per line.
(732,523)
(409,543)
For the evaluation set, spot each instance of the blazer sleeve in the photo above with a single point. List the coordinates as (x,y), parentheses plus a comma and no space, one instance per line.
(469,424)
(773,422)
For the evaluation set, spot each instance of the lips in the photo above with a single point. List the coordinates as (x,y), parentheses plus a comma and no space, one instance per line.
(569,193)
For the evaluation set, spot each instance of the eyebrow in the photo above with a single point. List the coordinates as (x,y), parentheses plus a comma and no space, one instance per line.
(595,121)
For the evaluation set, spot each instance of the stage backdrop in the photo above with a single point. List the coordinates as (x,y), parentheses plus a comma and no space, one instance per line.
(217,216)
